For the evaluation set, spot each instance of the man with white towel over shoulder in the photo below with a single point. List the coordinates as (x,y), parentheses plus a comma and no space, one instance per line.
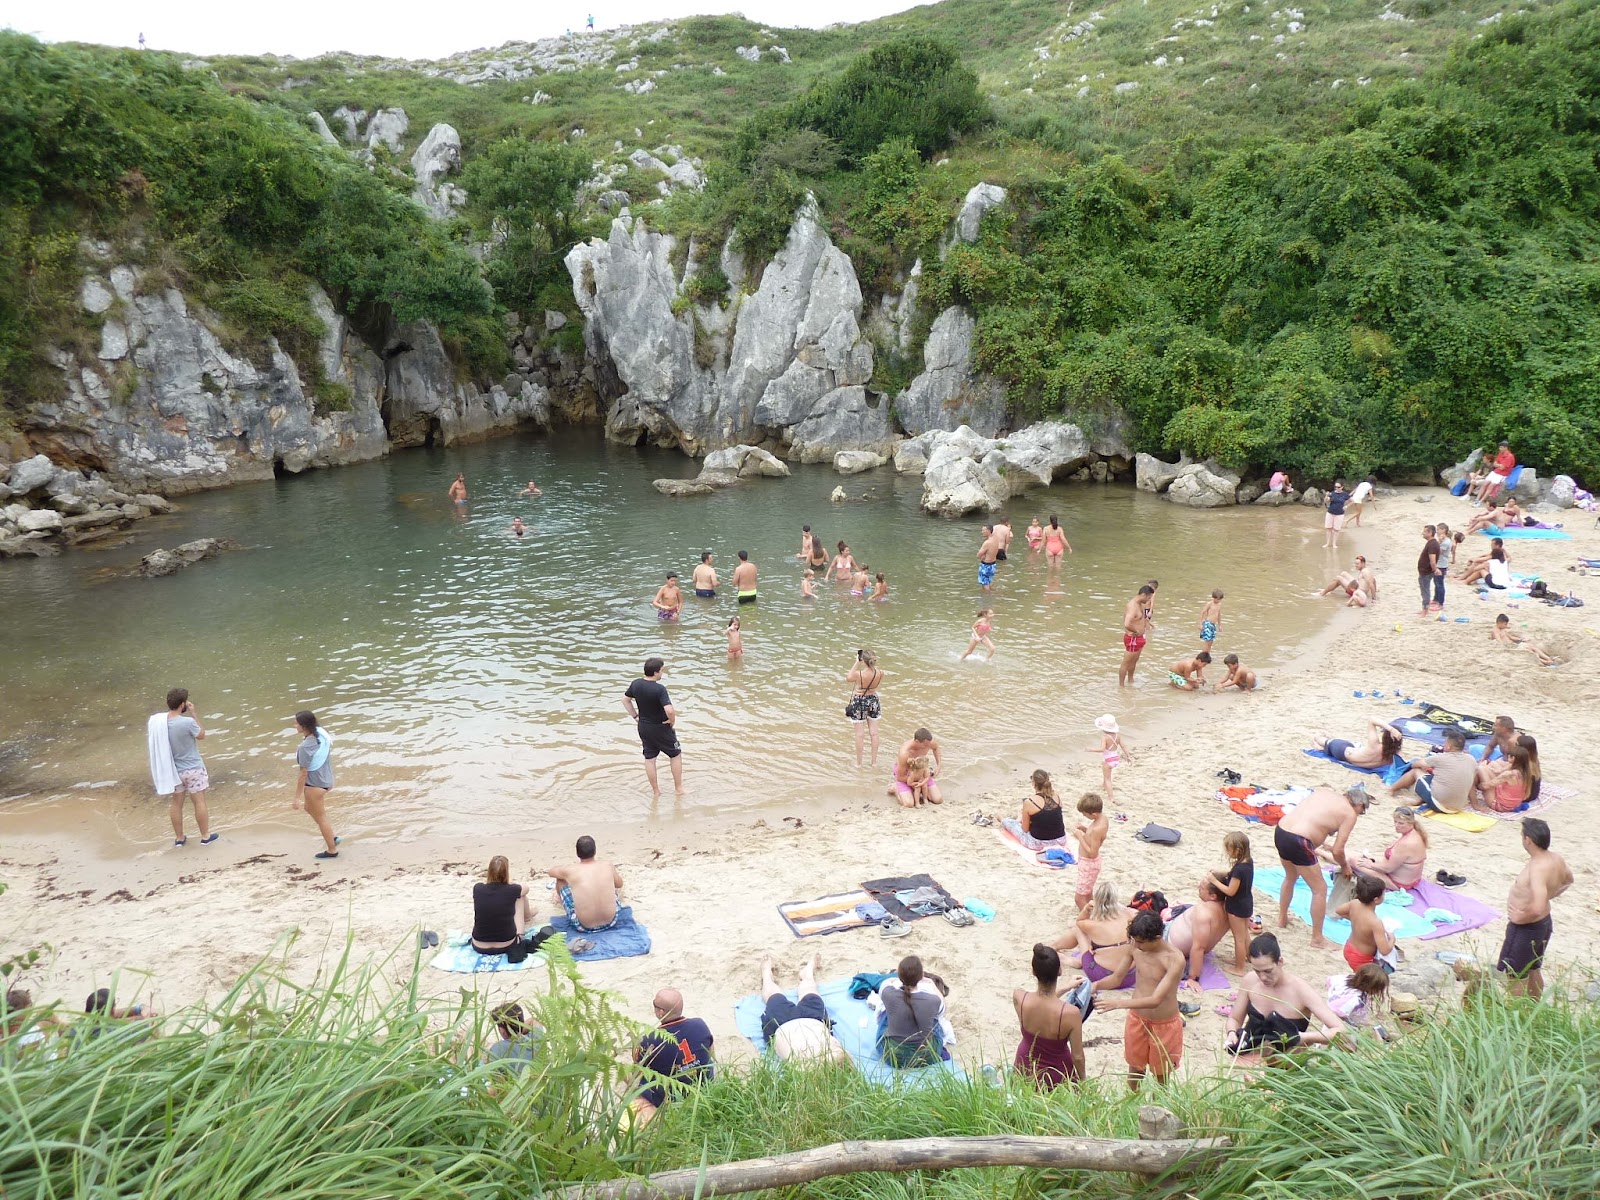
(176,767)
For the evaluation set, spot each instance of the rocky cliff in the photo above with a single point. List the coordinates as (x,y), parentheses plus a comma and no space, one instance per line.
(163,404)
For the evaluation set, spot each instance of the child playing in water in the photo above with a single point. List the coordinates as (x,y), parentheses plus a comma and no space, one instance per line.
(1035,534)
(919,771)
(880,590)
(1112,750)
(808,590)
(668,601)
(1237,898)
(735,639)
(860,580)
(1090,838)
(1502,632)
(1211,619)
(980,633)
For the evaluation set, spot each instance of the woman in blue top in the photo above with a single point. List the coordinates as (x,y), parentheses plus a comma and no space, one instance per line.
(1333,519)
(316,777)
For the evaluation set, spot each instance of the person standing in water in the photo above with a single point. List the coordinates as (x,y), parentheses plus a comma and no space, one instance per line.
(744,579)
(1055,541)
(183,730)
(705,577)
(735,639)
(531,490)
(656,719)
(818,561)
(458,489)
(988,556)
(668,601)
(1136,625)
(1211,619)
(1002,536)
(1035,534)
(844,564)
(980,634)
(807,544)
(315,779)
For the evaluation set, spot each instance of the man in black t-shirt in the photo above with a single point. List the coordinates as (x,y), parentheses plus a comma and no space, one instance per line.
(679,1049)
(1427,567)
(651,708)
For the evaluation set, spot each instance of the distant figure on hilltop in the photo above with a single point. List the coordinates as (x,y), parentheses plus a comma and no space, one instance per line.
(591,22)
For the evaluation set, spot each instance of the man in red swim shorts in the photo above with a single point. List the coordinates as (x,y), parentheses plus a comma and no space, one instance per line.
(1136,625)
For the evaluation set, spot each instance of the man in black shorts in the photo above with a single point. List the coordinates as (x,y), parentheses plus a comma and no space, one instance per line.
(1528,925)
(1304,830)
(649,705)
(798,1029)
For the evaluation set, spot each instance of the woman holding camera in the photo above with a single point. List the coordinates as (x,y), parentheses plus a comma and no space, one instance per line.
(864,707)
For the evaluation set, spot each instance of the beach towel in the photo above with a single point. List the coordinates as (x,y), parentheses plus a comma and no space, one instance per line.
(1402,912)
(1388,774)
(885,890)
(163,772)
(626,939)
(1260,804)
(826,914)
(1549,793)
(1009,839)
(856,1027)
(459,956)
(1427,723)
(1525,533)
(1472,822)
(319,757)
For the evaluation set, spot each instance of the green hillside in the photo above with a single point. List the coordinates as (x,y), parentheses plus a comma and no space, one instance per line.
(1334,237)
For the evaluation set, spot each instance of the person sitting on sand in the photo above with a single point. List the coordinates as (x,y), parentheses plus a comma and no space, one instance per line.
(1197,930)
(589,889)
(922,742)
(1189,673)
(502,913)
(1504,517)
(1359,585)
(1379,750)
(1402,863)
(1478,565)
(1152,1035)
(798,1030)
(919,773)
(909,1029)
(1240,678)
(1360,997)
(668,601)
(1300,837)
(1505,785)
(519,1041)
(1051,1049)
(678,1050)
(1369,937)
(1504,634)
(1098,940)
(1442,781)
(1043,823)
(531,490)
(1273,1010)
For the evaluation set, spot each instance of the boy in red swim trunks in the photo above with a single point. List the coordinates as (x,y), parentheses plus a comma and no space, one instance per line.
(1369,937)
(1136,625)
(1153,1033)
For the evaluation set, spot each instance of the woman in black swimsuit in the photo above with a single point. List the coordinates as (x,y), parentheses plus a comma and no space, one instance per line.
(819,555)
(1282,1021)
(864,708)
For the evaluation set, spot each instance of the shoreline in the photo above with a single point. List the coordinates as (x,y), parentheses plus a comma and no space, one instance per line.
(707,887)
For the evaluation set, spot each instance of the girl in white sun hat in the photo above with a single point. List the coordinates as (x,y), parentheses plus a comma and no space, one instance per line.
(1112,750)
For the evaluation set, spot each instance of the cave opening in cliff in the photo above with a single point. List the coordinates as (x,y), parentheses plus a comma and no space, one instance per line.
(434,436)
(279,471)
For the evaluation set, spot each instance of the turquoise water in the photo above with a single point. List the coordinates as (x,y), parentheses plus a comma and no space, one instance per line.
(471,677)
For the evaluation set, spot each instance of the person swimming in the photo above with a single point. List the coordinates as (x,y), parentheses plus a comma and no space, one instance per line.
(517,529)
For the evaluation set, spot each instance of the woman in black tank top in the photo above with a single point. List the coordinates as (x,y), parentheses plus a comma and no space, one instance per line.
(500,909)
(1042,818)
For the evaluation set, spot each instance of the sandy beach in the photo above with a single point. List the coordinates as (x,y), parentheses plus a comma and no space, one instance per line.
(181,927)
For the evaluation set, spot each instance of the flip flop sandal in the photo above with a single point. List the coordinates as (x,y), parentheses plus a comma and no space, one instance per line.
(979,818)
(959,917)
(579,946)
(893,927)
(1188,1008)
(427,939)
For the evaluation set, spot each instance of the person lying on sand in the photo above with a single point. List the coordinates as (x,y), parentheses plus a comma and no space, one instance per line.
(1189,673)
(589,889)
(1503,633)
(1379,750)
(1240,678)
(1504,517)
(798,1029)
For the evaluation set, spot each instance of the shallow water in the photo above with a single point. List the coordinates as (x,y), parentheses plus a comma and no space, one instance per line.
(474,681)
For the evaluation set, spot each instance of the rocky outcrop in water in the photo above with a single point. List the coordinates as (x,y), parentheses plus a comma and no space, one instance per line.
(51,507)
(724,468)
(963,471)
(169,562)
(165,404)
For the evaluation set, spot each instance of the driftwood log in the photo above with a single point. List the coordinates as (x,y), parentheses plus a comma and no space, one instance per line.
(912,1154)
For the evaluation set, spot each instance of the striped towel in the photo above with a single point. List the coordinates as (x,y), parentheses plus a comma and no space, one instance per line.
(826,914)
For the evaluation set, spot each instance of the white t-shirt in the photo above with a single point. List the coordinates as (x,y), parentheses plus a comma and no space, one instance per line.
(1362,494)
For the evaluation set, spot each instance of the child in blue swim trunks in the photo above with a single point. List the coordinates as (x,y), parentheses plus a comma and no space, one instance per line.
(1211,619)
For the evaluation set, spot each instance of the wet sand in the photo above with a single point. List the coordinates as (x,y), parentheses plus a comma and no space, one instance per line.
(182,925)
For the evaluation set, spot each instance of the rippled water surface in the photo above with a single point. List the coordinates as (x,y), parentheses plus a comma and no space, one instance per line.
(472,677)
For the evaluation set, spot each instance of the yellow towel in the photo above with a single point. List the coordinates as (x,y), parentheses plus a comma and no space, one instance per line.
(1470,821)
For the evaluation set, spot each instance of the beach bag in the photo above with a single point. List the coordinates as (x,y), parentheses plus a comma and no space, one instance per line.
(1539,590)
(1158,835)
(1148,901)
(1344,890)
(1459,488)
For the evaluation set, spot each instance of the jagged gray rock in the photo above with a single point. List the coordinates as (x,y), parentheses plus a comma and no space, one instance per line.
(1527,489)
(31,474)
(853,462)
(982,198)
(352,119)
(745,462)
(1204,485)
(40,520)
(963,471)
(1451,475)
(1563,492)
(1153,475)
(322,131)
(169,562)
(387,127)
(438,155)
(949,390)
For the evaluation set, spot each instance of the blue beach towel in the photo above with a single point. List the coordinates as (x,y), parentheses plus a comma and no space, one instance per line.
(324,747)
(1388,774)
(1404,912)
(856,1027)
(1526,534)
(626,939)
(459,956)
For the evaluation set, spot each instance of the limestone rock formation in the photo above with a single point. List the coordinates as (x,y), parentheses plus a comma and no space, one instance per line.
(1153,475)
(438,155)
(724,468)
(963,471)
(1451,475)
(1563,492)
(949,391)
(979,201)
(1204,485)
(170,562)
(386,128)
(853,462)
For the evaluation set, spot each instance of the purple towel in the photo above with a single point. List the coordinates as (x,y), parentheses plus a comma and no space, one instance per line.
(1473,913)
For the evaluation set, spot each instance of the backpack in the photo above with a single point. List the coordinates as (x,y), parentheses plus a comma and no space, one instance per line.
(1539,590)
(1148,901)
(1158,835)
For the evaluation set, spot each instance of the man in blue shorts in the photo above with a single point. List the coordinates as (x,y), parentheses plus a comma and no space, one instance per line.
(988,556)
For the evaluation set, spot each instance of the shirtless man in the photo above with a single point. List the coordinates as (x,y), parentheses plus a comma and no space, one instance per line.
(988,555)
(1528,924)
(744,579)
(668,602)
(1274,1008)
(1360,584)
(798,1030)
(1136,626)
(1305,827)
(531,490)
(458,489)
(1502,738)
(1239,677)
(705,577)
(1152,1035)
(1369,936)
(589,889)
(1197,931)
(1190,673)
(1002,536)
(922,742)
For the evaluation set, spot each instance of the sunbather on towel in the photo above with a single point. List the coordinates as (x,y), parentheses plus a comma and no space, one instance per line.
(589,889)
(1379,750)
(798,1029)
